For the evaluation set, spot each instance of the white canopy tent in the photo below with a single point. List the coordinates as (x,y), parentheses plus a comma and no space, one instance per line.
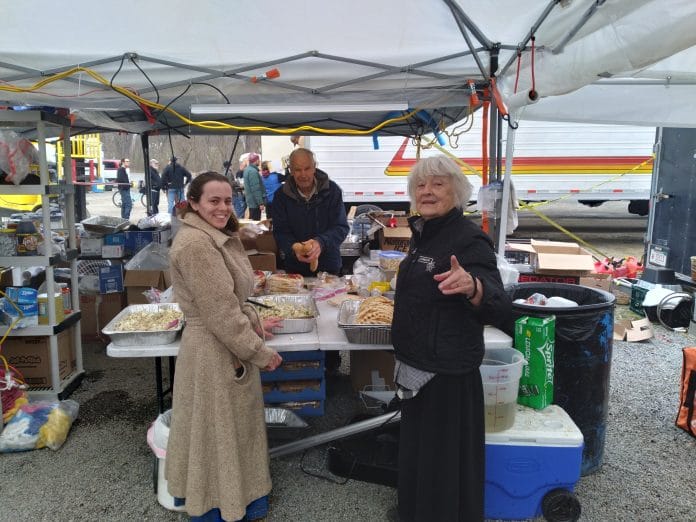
(413,66)
(620,61)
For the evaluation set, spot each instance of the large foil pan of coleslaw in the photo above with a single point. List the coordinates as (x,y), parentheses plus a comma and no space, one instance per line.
(146,325)
(299,311)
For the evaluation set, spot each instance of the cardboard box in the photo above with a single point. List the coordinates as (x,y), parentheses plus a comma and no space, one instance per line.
(97,310)
(372,368)
(88,320)
(535,339)
(394,238)
(266,243)
(557,258)
(108,306)
(262,260)
(633,331)
(32,357)
(544,278)
(601,281)
(113,251)
(110,279)
(91,246)
(137,281)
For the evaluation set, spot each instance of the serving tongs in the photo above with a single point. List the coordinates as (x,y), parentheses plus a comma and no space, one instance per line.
(259,303)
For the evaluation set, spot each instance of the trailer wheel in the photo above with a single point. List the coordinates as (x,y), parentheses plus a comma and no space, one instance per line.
(560,505)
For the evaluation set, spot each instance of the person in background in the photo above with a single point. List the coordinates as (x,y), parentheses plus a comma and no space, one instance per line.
(254,190)
(309,208)
(155,186)
(124,187)
(217,452)
(271,181)
(447,288)
(238,186)
(174,178)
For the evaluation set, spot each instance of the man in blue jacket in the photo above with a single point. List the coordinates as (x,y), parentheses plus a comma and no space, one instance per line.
(309,208)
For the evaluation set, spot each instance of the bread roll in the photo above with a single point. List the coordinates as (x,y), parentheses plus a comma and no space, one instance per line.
(304,248)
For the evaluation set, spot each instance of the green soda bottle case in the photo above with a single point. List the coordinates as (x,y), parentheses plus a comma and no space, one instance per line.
(535,339)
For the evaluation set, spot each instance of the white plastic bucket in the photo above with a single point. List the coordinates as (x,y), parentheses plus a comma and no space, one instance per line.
(501,370)
(157,438)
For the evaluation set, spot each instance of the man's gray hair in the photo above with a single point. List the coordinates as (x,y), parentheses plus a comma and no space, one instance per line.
(441,166)
(302,152)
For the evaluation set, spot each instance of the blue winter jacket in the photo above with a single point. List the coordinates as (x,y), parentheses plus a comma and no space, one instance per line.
(272,182)
(323,218)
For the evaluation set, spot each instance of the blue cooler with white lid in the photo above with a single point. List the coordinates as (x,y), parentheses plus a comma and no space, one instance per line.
(532,467)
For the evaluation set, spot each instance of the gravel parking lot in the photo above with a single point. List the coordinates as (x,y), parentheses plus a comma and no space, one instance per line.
(104,470)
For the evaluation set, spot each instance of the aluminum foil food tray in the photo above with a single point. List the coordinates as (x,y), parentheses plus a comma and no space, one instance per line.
(146,338)
(361,333)
(292,325)
(105,224)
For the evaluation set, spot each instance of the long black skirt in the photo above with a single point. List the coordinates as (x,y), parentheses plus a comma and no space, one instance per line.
(442,451)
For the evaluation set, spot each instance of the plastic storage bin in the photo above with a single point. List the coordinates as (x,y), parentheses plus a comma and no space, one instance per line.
(532,468)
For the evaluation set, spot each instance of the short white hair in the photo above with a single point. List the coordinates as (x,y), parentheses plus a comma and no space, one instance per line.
(244,157)
(440,166)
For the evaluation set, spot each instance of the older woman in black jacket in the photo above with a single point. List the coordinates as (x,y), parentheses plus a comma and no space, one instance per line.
(447,288)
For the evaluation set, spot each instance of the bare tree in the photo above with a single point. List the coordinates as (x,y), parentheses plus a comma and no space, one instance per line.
(197,153)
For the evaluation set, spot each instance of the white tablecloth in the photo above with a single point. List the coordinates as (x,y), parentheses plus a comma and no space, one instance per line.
(325,336)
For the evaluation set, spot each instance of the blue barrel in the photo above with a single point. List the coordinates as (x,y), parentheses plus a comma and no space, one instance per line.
(582,360)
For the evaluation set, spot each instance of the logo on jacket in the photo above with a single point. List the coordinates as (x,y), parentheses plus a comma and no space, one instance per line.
(429,263)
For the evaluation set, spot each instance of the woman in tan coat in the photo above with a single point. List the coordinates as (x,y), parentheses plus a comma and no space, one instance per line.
(217,455)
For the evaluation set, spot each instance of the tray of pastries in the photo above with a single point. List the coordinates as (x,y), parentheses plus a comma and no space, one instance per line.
(367,321)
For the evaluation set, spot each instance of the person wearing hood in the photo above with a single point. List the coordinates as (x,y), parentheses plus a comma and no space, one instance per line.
(308,209)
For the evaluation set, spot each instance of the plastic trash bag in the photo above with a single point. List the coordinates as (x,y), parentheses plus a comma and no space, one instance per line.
(508,273)
(16,156)
(39,424)
(153,256)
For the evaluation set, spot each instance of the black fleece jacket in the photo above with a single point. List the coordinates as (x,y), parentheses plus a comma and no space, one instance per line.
(444,333)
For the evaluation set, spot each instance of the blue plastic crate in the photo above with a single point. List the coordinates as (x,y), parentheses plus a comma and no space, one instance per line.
(314,390)
(297,366)
(541,452)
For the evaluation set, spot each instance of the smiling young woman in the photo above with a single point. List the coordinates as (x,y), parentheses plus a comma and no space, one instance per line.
(217,456)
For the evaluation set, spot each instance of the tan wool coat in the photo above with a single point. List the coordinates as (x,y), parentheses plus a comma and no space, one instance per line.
(217,454)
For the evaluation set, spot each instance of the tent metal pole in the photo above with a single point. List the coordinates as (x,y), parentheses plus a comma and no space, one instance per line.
(507,181)
(523,45)
(585,18)
(338,433)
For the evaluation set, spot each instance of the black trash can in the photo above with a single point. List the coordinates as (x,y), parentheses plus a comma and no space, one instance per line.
(582,360)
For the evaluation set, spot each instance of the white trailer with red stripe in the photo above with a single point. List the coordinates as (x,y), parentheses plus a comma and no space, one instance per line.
(588,163)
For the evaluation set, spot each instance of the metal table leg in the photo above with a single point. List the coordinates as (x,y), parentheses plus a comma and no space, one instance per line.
(158,379)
